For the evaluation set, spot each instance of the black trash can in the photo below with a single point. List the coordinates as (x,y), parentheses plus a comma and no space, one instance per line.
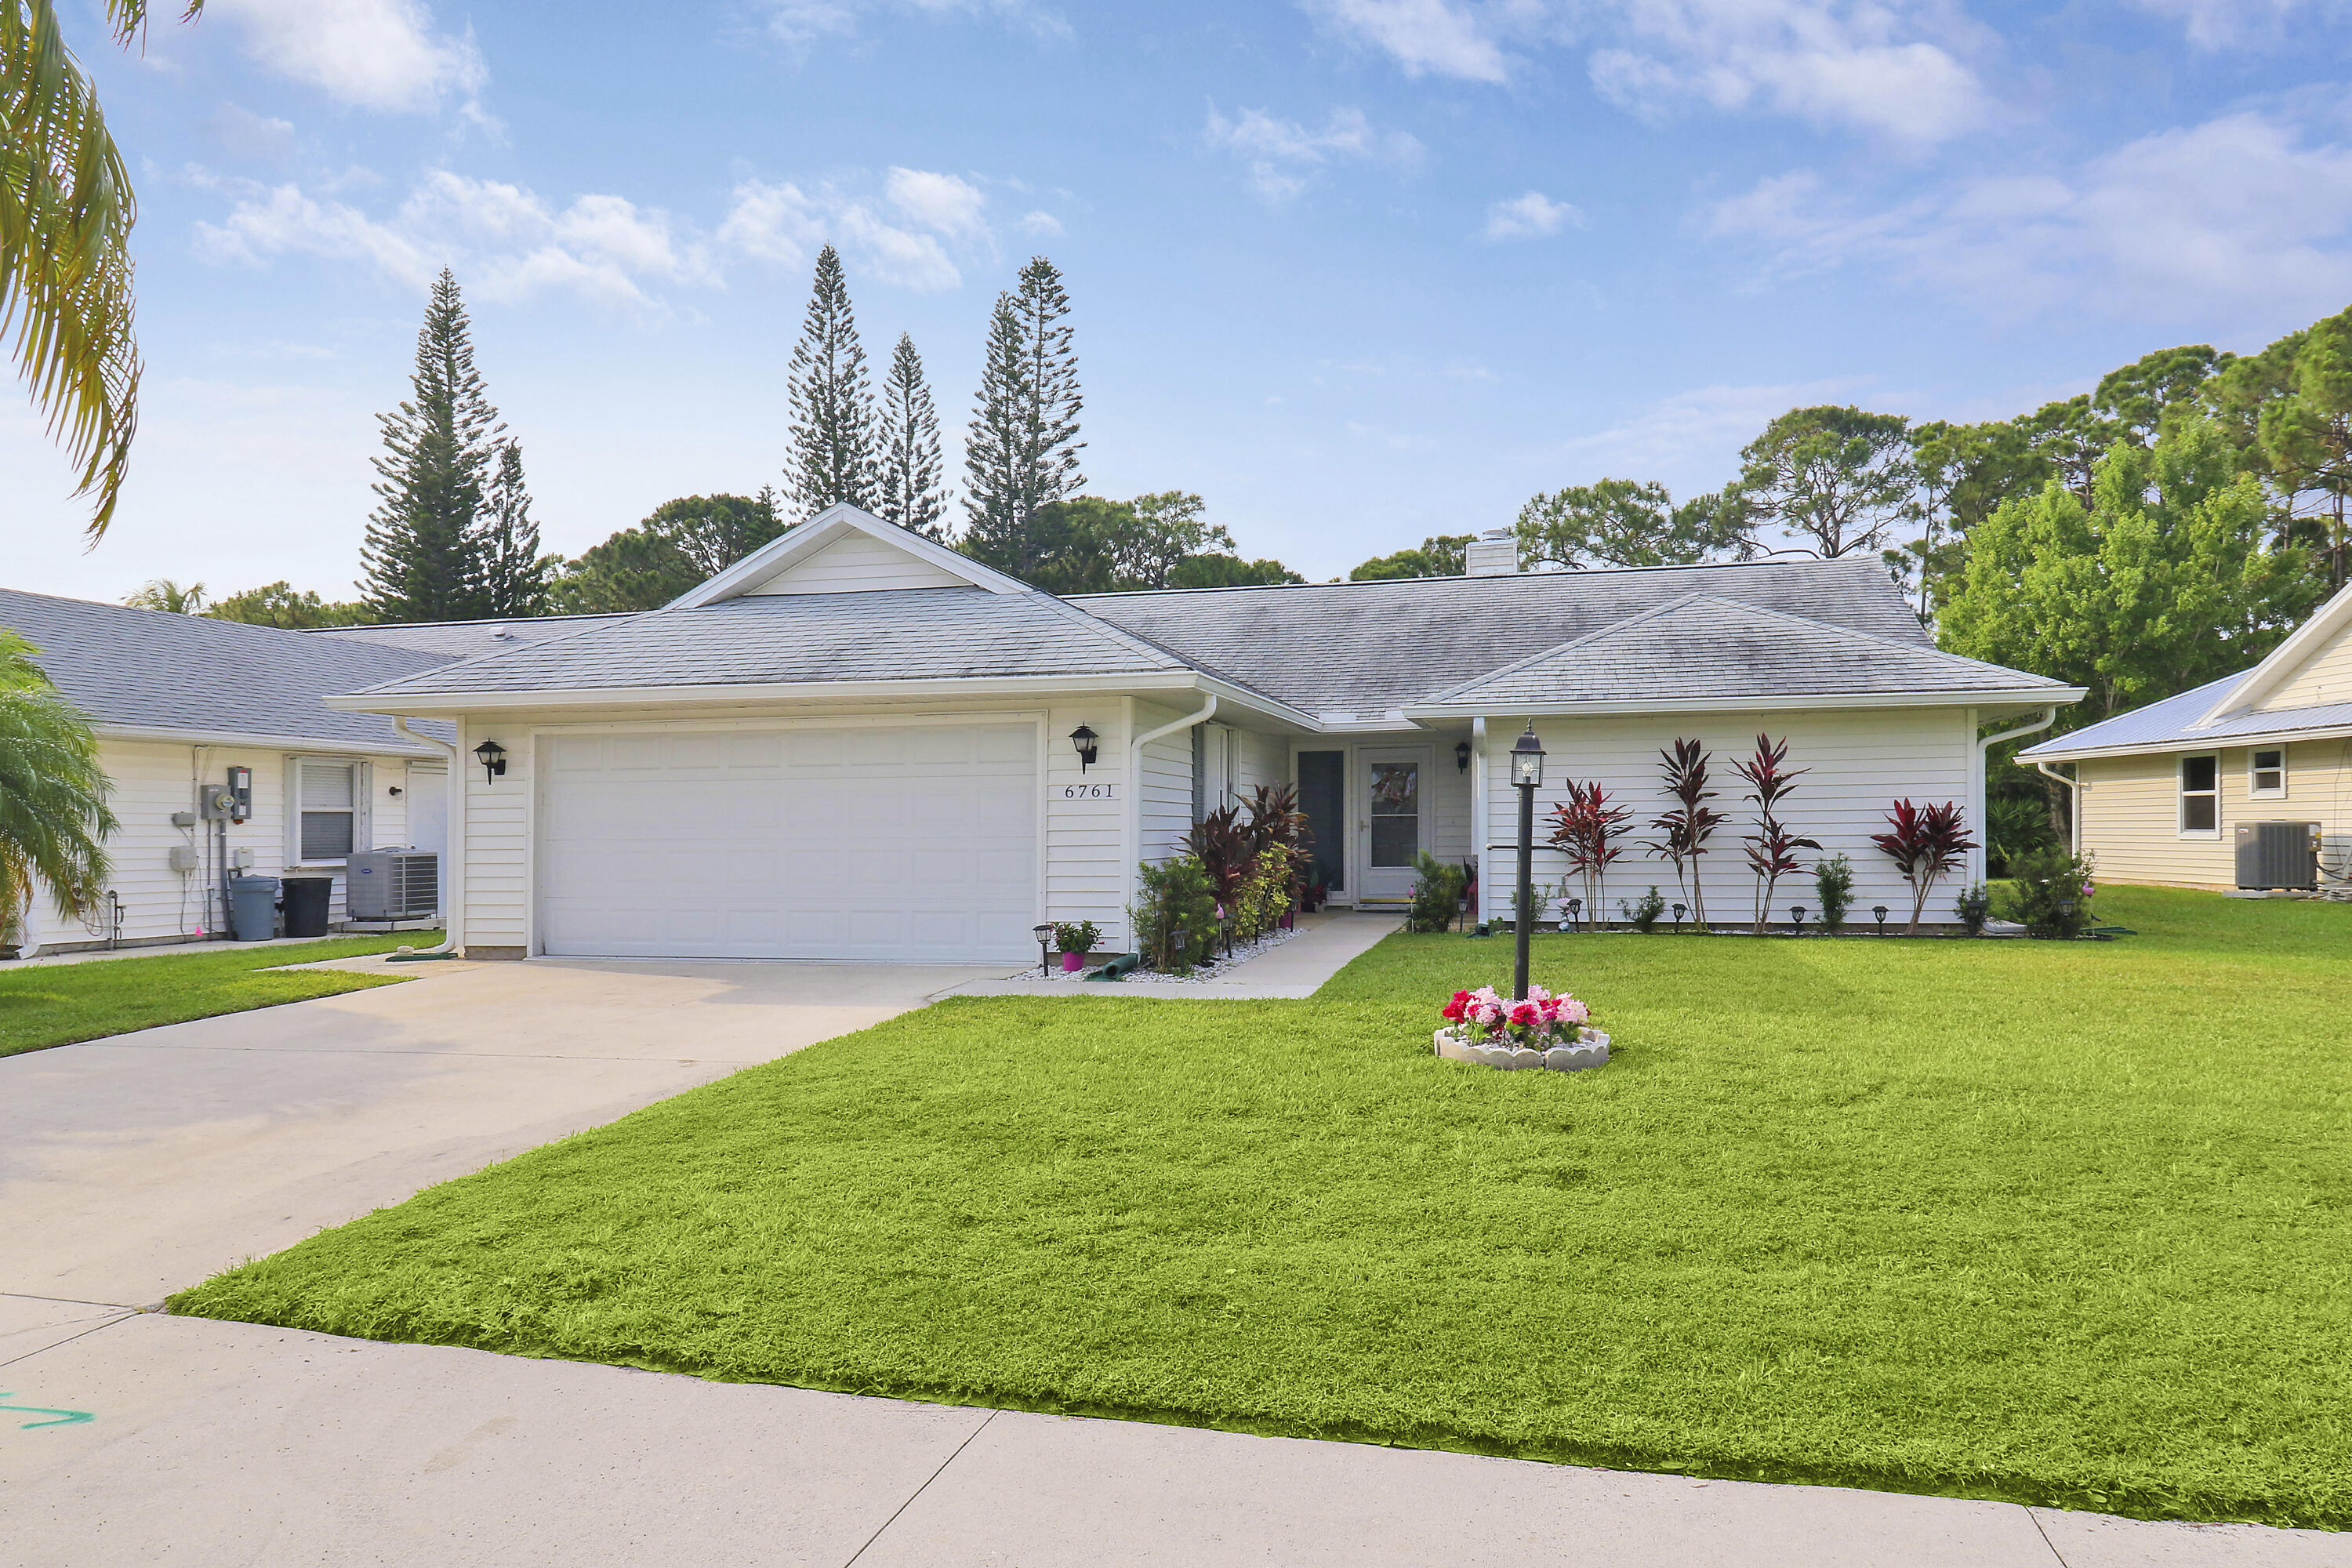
(306,905)
(252,908)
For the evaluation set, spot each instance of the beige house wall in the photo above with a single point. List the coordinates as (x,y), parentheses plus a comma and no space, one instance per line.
(2130,810)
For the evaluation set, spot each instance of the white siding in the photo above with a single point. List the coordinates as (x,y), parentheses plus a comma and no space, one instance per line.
(2325,676)
(1859,763)
(2131,812)
(1164,803)
(858,563)
(498,840)
(152,780)
(1264,760)
(1085,840)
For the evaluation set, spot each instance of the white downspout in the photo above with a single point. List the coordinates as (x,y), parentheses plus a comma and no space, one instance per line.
(1478,812)
(1980,790)
(453,876)
(2074,807)
(1134,814)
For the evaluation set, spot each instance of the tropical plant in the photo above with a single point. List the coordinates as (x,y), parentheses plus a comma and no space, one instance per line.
(2050,892)
(834,435)
(172,598)
(1587,827)
(1925,843)
(1175,896)
(1974,907)
(1833,886)
(1265,895)
(1683,833)
(65,212)
(1222,845)
(1276,822)
(1437,897)
(1076,936)
(53,818)
(1644,916)
(1772,849)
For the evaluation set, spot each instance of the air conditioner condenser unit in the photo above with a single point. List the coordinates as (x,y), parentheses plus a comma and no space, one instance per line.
(393,885)
(2278,854)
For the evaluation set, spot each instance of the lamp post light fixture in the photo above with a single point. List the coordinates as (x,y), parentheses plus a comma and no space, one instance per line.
(1878,911)
(1462,908)
(1527,772)
(1796,920)
(1044,935)
(1678,917)
(1084,739)
(493,758)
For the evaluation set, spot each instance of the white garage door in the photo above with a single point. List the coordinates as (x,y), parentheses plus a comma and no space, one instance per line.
(915,843)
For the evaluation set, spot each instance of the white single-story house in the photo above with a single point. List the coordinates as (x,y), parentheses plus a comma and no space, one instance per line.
(855,743)
(179,701)
(2232,785)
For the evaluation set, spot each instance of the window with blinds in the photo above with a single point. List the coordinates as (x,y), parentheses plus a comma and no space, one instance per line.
(328,800)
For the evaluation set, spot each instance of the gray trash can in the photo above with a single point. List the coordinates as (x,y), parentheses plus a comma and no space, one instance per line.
(252,908)
(307,899)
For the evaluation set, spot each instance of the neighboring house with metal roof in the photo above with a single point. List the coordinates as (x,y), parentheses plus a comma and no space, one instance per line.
(855,743)
(2166,794)
(177,701)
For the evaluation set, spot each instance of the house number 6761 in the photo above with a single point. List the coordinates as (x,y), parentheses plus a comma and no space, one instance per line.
(1084,791)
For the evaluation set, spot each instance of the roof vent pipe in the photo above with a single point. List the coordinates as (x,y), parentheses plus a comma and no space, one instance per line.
(1493,553)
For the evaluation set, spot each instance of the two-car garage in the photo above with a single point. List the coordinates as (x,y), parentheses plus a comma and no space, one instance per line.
(902,843)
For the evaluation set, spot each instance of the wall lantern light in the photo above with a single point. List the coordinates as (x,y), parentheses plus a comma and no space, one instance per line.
(493,758)
(1462,755)
(1527,759)
(1083,739)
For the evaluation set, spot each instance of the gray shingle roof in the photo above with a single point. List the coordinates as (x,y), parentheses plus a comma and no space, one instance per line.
(1708,647)
(908,634)
(2168,724)
(148,670)
(1368,647)
(467,639)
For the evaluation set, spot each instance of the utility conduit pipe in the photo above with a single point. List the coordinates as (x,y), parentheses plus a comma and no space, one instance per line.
(1982,788)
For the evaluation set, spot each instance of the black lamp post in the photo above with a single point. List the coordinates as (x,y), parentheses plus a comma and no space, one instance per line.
(1044,935)
(1527,772)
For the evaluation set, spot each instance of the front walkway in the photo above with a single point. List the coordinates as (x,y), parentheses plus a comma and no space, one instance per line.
(1325,945)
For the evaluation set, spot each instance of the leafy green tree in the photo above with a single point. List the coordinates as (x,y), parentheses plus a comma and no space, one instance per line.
(2136,398)
(1440,555)
(424,557)
(278,604)
(1087,544)
(65,211)
(54,817)
(1625,522)
(1023,452)
(908,492)
(2292,407)
(835,446)
(680,544)
(515,575)
(1834,479)
(2164,581)
(1215,570)
(174,598)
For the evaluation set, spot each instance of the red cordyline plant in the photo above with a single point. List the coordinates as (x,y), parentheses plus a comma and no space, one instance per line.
(1682,832)
(1928,842)
(1223,847)
(1771,848)
(1588,827)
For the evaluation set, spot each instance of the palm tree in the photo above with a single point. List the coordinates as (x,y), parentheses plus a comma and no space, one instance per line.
(169,595)
(65,211)
(54,817)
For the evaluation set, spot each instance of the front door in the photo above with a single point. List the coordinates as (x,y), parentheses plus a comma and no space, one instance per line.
(1395,786)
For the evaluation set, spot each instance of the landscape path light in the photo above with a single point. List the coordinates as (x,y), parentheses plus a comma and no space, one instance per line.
(1527,772)
(1879,911)
(1044,935)
(1678,917)
(1796,920)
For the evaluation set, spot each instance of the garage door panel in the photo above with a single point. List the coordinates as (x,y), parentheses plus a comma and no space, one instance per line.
(863,842)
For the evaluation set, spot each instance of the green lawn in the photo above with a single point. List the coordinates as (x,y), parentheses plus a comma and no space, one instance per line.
(2057,1223)
(60,1005)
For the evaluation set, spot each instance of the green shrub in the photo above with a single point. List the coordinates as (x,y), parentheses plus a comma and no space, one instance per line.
(1833,886)
(2051,894)
(1177,896)
(1437,897)
(1974,907)
(1265,894)
(1644,916)
(1079,936)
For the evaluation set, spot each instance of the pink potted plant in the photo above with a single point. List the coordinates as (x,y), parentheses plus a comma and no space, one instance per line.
(1076,938)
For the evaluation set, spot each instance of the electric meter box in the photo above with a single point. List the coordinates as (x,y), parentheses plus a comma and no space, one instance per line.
(229,802)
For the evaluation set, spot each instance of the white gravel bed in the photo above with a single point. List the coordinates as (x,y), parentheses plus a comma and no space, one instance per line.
(1242,954)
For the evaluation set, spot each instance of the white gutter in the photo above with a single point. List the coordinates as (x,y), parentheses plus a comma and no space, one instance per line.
(1133,815)
(1478,811)
(2074,807)
(2187,741)
(1135,748)
(1976,785)
(312,745)
(452,872)
(2018,701)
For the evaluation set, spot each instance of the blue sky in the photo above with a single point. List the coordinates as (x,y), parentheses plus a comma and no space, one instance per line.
(1355,271)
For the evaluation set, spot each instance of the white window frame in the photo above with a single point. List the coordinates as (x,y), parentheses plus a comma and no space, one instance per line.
(2183,793)
(2254,787)
(362,801)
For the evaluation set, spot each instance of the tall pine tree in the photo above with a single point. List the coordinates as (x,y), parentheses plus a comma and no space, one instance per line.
(515,575)
(834,439)
(908,492)
(423,558)
(1023,451)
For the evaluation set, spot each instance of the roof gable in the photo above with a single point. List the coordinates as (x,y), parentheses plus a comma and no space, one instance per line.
(844,550)
(2313,667)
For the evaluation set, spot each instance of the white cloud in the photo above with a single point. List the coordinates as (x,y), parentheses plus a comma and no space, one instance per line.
(941,202)
(1423,36)
(1530,217)
(505,241)
(1040,225)
(1283,154)
(2239,211)
(382,55)
(782,224)
(2221,24)
(245,134)
(798,23)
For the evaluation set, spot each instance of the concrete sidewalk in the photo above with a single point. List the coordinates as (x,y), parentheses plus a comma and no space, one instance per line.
(227,1443)
(1291,972)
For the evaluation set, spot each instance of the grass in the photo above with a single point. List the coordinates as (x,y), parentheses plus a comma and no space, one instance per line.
(65,1003)
(2058,1222)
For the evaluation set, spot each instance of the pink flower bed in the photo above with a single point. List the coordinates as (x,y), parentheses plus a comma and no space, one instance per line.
(1542,1020)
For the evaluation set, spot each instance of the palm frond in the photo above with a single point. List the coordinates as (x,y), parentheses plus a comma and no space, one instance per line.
(54,817)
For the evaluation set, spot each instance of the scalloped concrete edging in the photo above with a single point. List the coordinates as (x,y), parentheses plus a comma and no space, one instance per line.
(1592,1050)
